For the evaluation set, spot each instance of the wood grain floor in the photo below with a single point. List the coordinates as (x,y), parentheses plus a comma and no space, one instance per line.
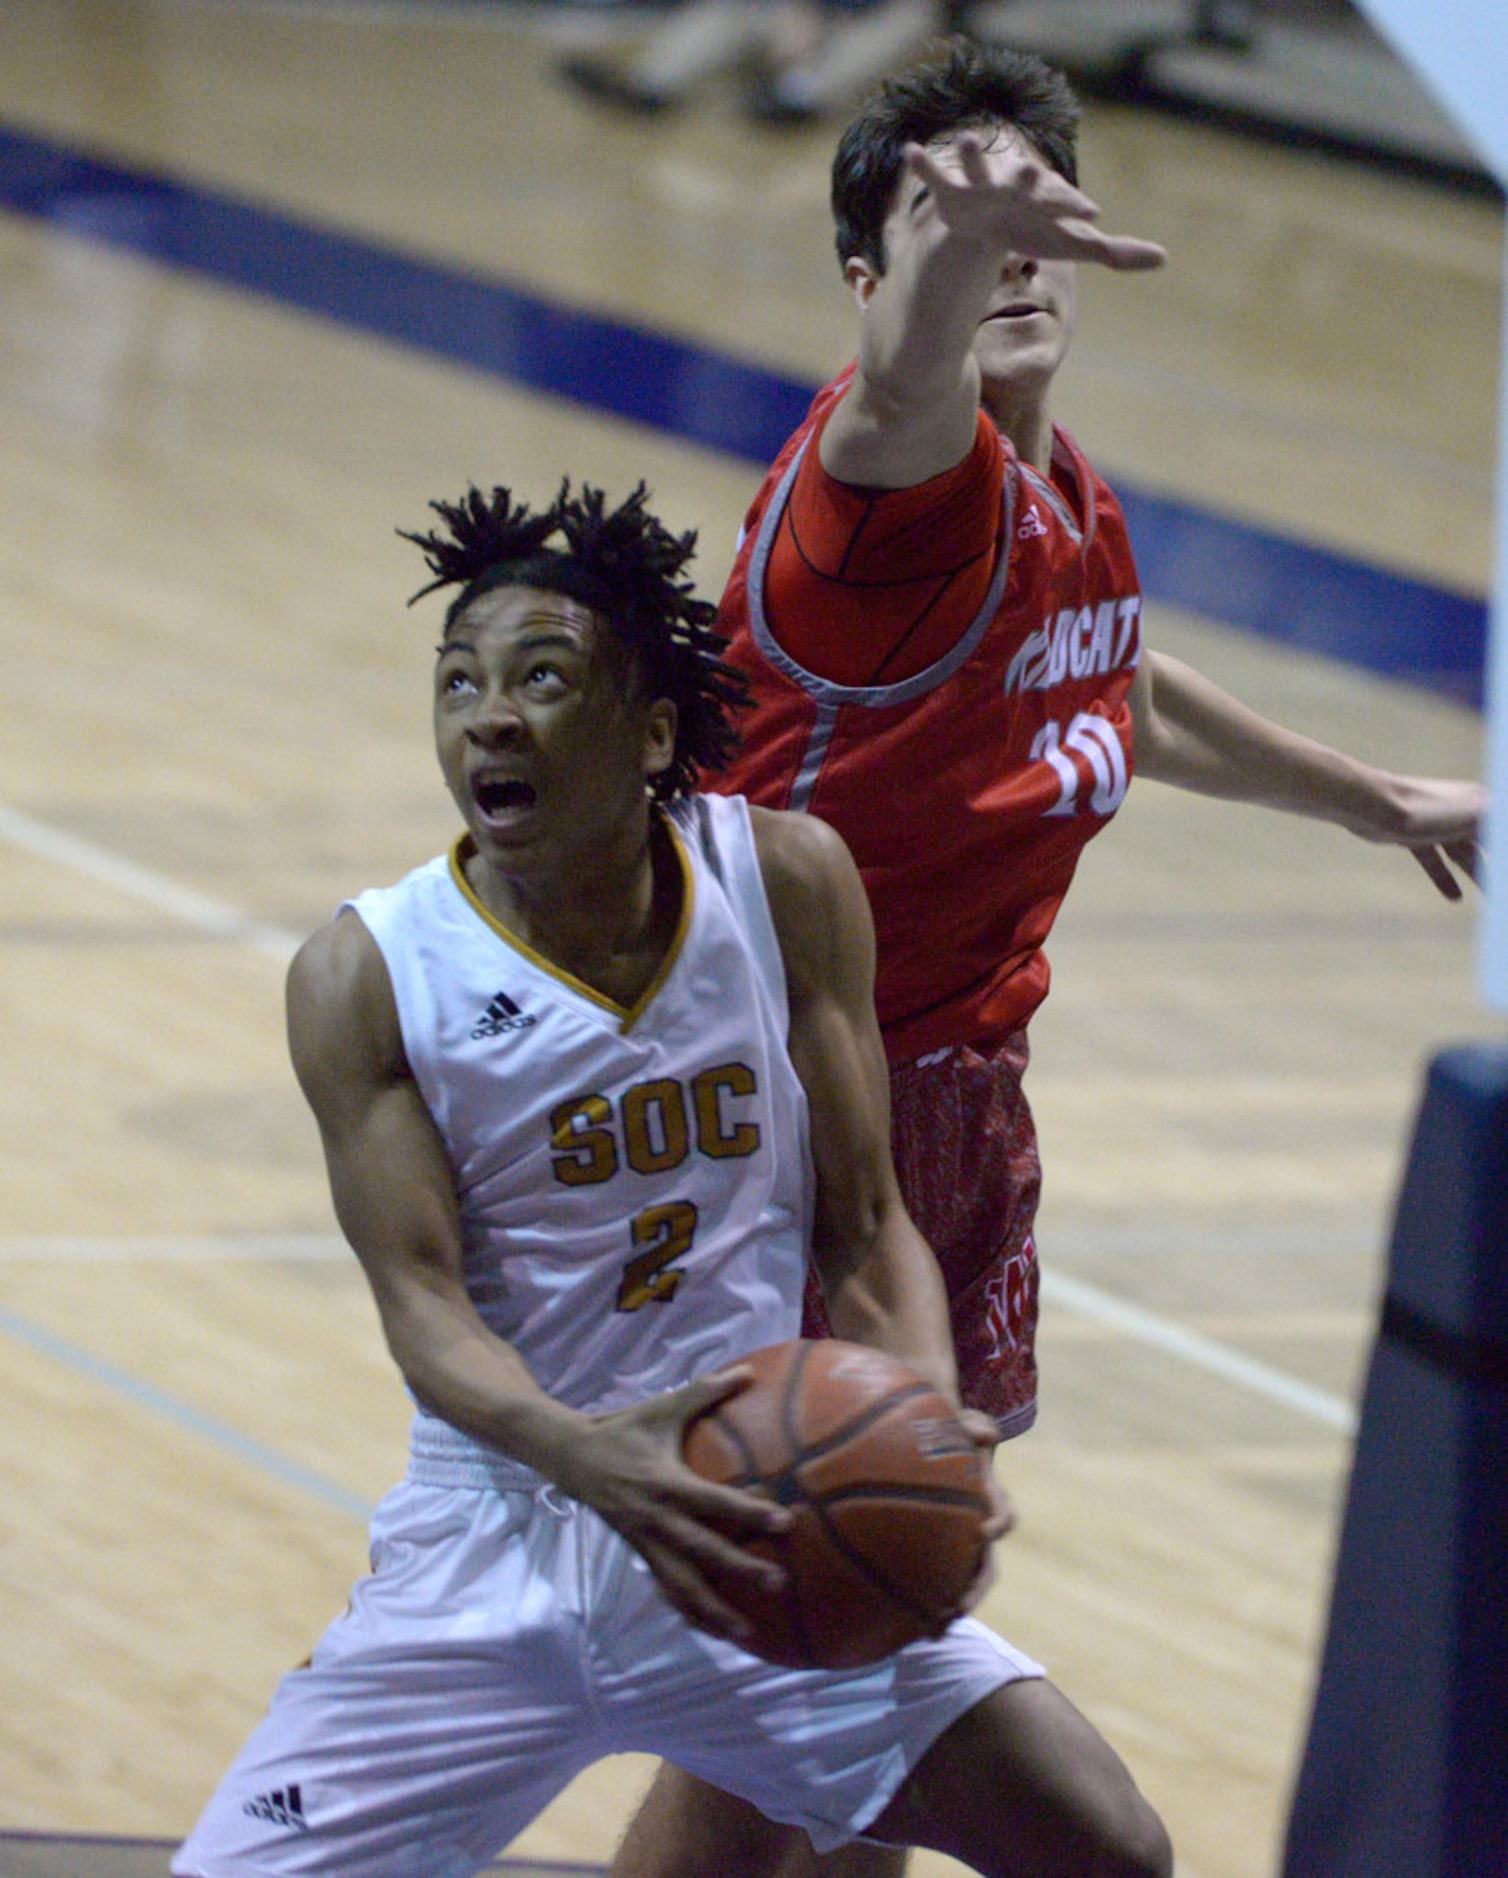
(213,725)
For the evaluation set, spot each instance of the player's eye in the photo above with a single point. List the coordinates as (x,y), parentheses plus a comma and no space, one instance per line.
(545,679)
(454,681)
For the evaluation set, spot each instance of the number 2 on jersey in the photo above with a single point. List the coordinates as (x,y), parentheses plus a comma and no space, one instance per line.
(666,1233)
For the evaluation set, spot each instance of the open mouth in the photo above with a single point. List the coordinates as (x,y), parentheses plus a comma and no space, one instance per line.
(501,795)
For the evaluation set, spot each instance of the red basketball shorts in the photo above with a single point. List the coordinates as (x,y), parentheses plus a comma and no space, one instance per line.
(965,1149)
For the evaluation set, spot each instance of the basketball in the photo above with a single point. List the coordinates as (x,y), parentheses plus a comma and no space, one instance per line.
(887,1491)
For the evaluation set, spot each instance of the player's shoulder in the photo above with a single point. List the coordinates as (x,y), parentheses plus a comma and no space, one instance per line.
(339,995)
(798,851)
(338,958)
(810,878)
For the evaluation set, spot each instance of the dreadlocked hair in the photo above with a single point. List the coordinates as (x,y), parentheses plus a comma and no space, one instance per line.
(625,565)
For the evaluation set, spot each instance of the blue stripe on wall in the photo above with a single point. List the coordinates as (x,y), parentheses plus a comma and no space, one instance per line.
(1282,589)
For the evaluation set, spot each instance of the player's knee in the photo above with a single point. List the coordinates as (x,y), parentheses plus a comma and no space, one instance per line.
(1136,1843)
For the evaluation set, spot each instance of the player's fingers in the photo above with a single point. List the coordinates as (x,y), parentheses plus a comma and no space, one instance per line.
(1127,254)
(714,1548)
(1467,855)
(926,168)
(704,1392)
(971,158)
(1434,864)
(1001,1517)
(734,1511)
(695,1597)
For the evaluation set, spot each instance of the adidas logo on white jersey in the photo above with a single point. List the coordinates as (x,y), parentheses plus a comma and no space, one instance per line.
(501,1016)
(284,1807)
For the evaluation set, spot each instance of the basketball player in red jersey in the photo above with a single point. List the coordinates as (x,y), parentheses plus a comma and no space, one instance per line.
(938,608)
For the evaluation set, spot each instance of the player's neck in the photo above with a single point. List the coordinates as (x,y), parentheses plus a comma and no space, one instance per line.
(611,934)
(1024,417)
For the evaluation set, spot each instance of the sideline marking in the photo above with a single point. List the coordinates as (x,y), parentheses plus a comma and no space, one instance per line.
(1217,1359)
(145,885)
(184,1415)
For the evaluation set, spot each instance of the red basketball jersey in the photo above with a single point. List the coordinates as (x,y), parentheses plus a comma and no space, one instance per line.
(942,674)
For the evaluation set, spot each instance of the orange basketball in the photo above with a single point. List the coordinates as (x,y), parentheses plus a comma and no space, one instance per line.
(886,1487)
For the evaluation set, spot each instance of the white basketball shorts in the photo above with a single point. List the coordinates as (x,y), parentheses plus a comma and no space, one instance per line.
(506,1640)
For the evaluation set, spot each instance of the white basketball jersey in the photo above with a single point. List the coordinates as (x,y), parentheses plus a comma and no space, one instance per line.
(635,1186)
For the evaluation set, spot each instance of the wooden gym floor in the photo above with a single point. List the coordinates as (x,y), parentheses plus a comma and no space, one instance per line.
(213,725)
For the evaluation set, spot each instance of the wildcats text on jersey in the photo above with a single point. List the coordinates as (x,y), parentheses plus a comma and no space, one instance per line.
(1078,642)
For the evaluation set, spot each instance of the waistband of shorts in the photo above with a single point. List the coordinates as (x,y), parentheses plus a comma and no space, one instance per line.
(1011,1048)
(442,1456)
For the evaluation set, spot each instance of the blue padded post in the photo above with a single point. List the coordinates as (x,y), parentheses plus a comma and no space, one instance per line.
(1406,1771)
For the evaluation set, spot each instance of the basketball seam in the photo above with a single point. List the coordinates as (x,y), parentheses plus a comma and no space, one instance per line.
(857,1425)
(880,1490)
(867,1569)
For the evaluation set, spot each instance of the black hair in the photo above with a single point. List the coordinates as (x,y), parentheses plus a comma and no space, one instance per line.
(626,566)
(964,86)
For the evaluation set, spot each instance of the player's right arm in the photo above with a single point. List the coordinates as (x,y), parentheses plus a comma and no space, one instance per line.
(910,411)
(394,1196)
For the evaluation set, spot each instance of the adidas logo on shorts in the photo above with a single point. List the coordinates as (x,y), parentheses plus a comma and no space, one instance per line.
(282,1808)
(501,1016)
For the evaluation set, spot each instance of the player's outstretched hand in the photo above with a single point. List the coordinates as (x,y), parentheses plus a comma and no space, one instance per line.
(1440,822)
(629,1468)
(1019,205)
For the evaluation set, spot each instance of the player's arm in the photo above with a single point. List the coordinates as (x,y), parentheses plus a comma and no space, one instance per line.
(909,413)
(1190,733)
(881,1282)
(394,1196)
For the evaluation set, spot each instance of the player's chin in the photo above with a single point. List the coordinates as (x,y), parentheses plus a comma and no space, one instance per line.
(1018,361)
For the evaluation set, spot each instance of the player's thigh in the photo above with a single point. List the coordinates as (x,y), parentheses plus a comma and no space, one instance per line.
(1022,1783)
(688,1829)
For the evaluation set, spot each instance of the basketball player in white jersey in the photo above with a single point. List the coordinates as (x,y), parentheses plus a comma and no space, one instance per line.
(593,1087)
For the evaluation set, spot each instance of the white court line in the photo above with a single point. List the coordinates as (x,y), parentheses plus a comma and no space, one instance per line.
(214,916)
(144,884)
(1217,1359)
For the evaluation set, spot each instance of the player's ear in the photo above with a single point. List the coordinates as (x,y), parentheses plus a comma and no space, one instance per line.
(862,279)
(660,725)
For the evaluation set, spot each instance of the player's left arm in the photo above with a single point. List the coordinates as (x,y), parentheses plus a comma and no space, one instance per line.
(880,1279)
(1190,733)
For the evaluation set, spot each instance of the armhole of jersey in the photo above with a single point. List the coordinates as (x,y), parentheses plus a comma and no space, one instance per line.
(733,855)
(377,909)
